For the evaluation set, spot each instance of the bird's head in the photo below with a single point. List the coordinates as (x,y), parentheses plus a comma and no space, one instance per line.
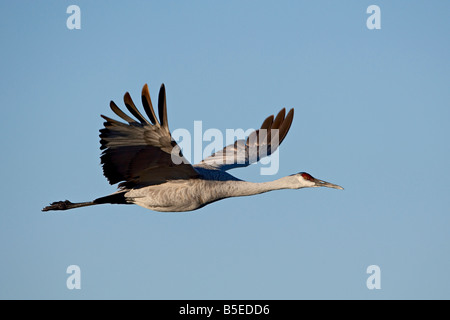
(308,181)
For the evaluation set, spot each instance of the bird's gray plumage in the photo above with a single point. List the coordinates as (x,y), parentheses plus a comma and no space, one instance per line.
(151,171)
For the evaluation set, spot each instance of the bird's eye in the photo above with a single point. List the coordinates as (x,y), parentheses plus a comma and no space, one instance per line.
(307,176)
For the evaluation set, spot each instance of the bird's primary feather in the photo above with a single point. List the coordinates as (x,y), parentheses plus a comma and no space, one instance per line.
(141,153)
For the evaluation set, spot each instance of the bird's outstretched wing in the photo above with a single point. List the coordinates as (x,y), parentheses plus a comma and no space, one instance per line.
(140,152)
(259,144)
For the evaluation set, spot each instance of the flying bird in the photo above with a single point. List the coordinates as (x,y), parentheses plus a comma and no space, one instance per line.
(152,172)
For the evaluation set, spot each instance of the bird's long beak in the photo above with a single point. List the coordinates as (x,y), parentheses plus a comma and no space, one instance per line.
(321,183)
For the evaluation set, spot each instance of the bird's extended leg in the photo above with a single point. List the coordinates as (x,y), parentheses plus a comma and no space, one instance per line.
(115,198)
(66,205)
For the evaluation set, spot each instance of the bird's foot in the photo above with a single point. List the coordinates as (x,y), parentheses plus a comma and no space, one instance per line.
(58,205)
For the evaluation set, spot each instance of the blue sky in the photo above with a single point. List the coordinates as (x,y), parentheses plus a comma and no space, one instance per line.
(371,114)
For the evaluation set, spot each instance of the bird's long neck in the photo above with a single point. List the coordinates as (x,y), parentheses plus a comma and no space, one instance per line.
(244,188)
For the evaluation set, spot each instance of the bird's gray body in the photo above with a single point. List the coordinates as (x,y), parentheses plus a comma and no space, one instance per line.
(178,195)
(151,171)
(185,195)
(192,194)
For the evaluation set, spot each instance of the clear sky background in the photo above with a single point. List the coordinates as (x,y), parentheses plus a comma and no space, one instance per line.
(372,114)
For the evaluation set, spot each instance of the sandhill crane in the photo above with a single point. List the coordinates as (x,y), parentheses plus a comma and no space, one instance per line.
(140,155)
